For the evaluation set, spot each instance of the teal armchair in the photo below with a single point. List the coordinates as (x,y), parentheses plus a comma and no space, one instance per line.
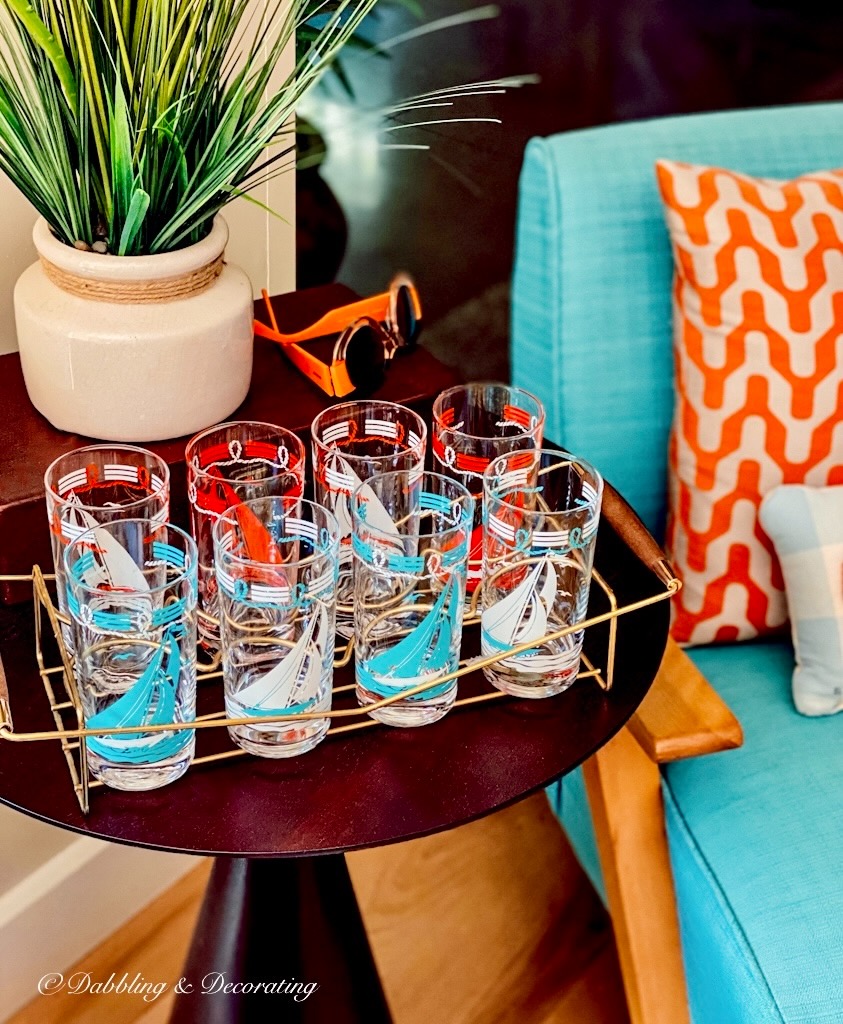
(754,834)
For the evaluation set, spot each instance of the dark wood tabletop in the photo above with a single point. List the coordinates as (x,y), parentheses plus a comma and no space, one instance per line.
(375,786)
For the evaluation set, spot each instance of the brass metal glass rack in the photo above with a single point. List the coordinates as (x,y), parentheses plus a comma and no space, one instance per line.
(69,724)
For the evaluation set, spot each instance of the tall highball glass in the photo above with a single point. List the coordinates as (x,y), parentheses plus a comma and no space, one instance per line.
(226,465)
(411,541)
(351,443)
(472,425)
(276,564)
(97,485)
(541,511)
(131,593)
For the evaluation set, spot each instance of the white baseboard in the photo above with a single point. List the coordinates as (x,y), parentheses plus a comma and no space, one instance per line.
(70,904)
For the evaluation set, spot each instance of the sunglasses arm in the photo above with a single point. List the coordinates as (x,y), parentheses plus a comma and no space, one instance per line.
(333,322)
(333,379)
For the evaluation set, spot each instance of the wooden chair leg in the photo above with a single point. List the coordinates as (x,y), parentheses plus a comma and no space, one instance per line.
(624,791)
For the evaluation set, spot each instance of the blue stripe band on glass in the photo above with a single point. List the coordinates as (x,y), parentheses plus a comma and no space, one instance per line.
(167,553)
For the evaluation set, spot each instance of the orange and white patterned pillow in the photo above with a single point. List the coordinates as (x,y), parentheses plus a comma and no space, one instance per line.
(758,343)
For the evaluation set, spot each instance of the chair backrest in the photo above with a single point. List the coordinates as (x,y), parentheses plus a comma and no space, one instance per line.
(591,331)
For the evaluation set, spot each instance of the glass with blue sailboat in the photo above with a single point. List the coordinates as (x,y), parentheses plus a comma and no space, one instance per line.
(132,596)
(351,443)
(276,565)
(411,543)
(226,465)
(100,484)
(472,425)
(541,511)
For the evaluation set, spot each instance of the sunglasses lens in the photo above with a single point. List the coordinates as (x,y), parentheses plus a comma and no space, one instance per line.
(364,358)
(408,324)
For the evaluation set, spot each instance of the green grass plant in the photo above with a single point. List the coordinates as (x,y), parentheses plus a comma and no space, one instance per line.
(133,122)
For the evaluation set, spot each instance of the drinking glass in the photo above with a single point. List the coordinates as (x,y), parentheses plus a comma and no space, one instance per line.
(226,465)
(474,424)
(351,443)
(97,485)
(131,592)
(276,564)
(541,511)
(410,542)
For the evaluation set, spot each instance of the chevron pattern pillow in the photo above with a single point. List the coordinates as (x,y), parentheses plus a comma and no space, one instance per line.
(758,344)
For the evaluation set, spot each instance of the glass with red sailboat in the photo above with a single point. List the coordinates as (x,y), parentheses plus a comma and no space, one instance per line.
(472,425)
(226,465)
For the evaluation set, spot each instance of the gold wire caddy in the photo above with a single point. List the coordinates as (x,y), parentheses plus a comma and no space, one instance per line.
(68,717)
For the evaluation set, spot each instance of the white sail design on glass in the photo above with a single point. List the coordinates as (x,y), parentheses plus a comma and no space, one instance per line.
(376,515)
(524,617)
(294,682)
(113,565)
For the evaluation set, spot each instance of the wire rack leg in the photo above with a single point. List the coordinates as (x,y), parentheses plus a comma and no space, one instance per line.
(75,751)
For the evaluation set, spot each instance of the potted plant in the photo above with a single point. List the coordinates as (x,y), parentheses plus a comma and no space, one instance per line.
(129,125)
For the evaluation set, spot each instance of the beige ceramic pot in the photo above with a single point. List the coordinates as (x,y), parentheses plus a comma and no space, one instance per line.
(134,348)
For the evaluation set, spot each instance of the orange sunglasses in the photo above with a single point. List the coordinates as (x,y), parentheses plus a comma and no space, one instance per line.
(370,331)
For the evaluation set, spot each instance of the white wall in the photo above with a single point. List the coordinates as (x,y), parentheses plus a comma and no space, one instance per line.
(16,253)
(69,903)
(263,245)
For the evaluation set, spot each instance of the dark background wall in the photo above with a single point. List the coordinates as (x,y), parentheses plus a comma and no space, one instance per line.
(448,214)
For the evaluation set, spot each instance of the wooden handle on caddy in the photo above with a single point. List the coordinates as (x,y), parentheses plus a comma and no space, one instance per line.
(635,534)
(681,715)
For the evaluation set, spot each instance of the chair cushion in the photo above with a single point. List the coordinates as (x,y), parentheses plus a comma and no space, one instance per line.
(758,314)
(806,526)
(756,843)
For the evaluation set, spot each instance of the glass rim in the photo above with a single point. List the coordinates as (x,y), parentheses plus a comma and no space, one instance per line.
(190,550)
(275,427)
(356,404)
(437,412)
(331,520)
(165,476)
(466,498)
(567,458)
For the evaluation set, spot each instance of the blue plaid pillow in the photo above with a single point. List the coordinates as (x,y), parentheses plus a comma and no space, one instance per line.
(805,525)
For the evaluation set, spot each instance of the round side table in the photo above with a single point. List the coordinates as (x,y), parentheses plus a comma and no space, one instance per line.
(280,905)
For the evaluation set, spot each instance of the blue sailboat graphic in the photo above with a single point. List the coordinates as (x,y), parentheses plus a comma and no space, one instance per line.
(150,701)
(421,655)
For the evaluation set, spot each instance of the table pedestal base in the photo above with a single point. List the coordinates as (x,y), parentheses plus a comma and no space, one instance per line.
(292,922)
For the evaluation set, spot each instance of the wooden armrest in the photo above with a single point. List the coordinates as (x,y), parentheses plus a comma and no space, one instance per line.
(682,715)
